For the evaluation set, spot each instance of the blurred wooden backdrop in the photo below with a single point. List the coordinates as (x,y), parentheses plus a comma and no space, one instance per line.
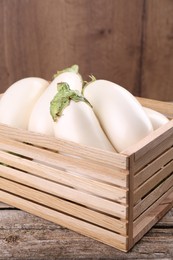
(128,42)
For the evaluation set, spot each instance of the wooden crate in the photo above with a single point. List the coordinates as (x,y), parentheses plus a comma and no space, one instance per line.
(113,198)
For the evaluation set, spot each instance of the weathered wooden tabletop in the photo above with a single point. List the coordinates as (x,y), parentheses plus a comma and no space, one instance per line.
(26,237)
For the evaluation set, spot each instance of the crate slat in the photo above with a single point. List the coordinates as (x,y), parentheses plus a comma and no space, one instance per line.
(92,201)
(151,146)
(154,216)
(64,161)
(63,146)
(148,210)
(93,231)
(153,154)
(65,206)
(150,199)
(67,178)
(153,181)
(152,167)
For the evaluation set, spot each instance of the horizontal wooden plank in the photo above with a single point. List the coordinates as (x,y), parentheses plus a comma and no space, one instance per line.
(65,177)
(166,195)
(65,192)
(151,147)
(153,217)
(151,142)
(151,155)
(67,207)
(153,182)
(151,198)
(156,138)
(69,163)
(152,167)
(74,224)
(66,147)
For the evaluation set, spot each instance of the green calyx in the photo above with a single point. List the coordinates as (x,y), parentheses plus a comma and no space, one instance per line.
(73,68)
(86,83)
(62,99)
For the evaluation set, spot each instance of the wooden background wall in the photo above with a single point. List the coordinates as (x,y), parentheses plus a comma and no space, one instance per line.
(128,42)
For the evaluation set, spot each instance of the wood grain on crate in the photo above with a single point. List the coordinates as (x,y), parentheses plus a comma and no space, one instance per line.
(88,190)
(62,146)
(55,195)
(59,204)
(75,192)
(156,159)
(68,221)
(151,217)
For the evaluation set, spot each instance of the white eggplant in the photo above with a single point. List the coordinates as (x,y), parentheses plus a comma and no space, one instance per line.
(18,100)
(74,119)
(157,119)
(40,119)
(120,114)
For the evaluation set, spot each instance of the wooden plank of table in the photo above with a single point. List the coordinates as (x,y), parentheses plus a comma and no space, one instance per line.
(24,237)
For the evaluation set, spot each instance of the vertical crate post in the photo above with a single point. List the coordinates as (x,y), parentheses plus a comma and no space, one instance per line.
(130,202)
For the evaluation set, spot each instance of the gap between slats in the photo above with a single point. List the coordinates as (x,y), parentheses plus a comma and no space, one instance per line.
(150,147)
(153,196)
(153,181)
(66,178)
(155,138)
(154,214)
(100,234)
(67,207)
(153,167)
(88,200)
(96,155)
(152,207)
(68,163)
(153,153)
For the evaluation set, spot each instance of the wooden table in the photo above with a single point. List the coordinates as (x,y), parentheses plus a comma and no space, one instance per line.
(26,237)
